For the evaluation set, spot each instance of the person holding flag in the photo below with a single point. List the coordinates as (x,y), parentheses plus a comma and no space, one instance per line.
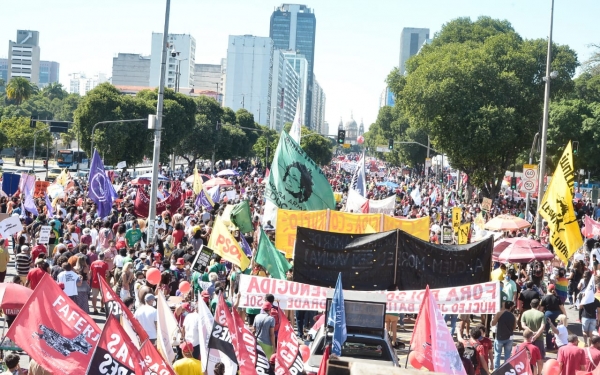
(188,365)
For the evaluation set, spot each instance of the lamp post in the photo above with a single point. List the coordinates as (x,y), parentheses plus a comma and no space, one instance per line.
(156,124)
(34,144)
(542,170)
(535,138)
(104,123)
(175,55)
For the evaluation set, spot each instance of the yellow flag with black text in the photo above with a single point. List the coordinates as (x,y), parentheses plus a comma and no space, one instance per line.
(557,209)
(456,219)
(463,233)
(225,245)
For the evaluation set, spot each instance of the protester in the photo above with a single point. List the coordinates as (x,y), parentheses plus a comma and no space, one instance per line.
(190,329)
(70,281)
(35,275)
(506,323)
(189,365)
(560,330)
(264,329)
(571,357)
(465,361)
(593,354)
(473,345)
(98,269)
(12,362)
(147,316)
(536,357)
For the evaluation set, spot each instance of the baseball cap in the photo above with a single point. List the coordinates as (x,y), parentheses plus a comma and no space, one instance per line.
(186,347)
(180,262)
(551,287)
(149,297)
(205,295)
(267,306)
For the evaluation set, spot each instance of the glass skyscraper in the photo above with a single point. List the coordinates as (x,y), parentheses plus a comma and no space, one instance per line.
(293,28)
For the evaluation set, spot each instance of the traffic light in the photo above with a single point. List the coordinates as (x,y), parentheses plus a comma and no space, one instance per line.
(341,137)
(391,143)
(513,183)
(575,147)
(59,126)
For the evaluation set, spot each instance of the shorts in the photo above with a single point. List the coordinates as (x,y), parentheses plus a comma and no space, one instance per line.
(588,324)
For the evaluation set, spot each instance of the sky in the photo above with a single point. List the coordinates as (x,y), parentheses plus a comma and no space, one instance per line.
(357,41)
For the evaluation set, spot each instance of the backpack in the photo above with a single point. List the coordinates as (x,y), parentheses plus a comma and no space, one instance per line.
(138,264)
(472,355)
(275,314)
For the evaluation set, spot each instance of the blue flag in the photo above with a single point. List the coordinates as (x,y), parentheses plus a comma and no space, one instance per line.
(100,188)
(49,206)
(337,318)
(359,182)
(245,246)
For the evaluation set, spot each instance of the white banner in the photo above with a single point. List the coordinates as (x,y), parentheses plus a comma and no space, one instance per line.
(10,226)
(355,201)
(468,299)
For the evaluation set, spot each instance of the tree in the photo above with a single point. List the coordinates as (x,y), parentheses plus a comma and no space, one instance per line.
(20,136)
(480,98)
(19,89)
(268,137)
(54,90)
(317,147)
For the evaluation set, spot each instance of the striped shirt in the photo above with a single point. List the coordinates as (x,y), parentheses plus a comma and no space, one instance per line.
(22,264)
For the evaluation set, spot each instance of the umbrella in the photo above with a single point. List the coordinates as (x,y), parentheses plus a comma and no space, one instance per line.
(140,181)
(521,250)
(227,172)
(388,184)
(148,176)
(204,178)
(13,296)
(217,181)
(506,223)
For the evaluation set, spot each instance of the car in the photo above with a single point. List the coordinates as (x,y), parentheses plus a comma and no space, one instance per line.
(24,170)
(53,173)
(1,161)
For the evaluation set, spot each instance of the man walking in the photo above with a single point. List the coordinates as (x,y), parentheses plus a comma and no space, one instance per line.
(98,268)
(593,355)
(147,316)
(589,317)
(505,323)
(264,329)
(23,264)
(536,357)
(571,358)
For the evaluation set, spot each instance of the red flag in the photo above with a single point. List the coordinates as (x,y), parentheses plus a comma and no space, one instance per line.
(365,207)
(288,360)
(220,337)
(518,364)
(591,228)
(62,338)
(154,360)
(324,360)
(114,306)
(267,173)
(430,336)
(115,353)
(141,206)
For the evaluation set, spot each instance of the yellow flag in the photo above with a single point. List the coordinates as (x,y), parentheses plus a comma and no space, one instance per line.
(197,187)
(456,219)
(463,233)
(225,245)
(557,208)
(369,229)
(63,178)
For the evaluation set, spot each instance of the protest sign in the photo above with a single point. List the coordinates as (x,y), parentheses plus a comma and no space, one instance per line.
(202,259)
(44,234)
(456,219)
(40,188)
(486,204)
(447,233)
(482,298)
(416,227)
(10,226)
(121,165)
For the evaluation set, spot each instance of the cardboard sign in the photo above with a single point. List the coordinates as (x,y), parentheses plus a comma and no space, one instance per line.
(10,226)
(202,259)
(121,164)
(486,204)
(40,188)
(45,234)
(447,233)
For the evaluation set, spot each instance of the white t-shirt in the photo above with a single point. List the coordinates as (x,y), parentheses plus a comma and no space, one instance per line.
(562,337)
(146,315)
(69,279)
(191,324)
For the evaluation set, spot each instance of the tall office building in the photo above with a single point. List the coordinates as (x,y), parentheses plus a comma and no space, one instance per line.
(4,69)
(411,40)
(24,56)
(183,46)
(300,65)
(80,83)
(131,69)
(293,27)
(285,87)
(318,109)
(49,73)
(249,75)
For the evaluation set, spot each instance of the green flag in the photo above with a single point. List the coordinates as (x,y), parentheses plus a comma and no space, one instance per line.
(240,217)
(270,258)
(296,182)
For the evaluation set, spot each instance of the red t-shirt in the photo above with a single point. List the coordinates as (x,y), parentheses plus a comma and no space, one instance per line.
(98,267)
(595,354)
(37,250)
(177,236)
(572,358)
(34,276)
(534,352)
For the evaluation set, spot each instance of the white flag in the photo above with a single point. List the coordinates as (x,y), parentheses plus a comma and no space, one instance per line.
(166,329)
(416,195)
(210,359)
(295,130)
(589,293)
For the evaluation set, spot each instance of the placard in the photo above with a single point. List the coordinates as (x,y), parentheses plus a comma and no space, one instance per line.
(447,233)
(202,259)
(121,164)
(10,226)
(486,204)
(44,236)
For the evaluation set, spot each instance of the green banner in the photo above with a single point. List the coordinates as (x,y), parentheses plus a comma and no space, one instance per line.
(270,258)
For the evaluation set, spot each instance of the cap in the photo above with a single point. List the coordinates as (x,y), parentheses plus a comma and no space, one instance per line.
(186,347)
(70,246)
(187,307)
(267,306)
(551,287)
(157,256)
(205,295)
(180,262)
(143,256)
(25,248)
(149,297)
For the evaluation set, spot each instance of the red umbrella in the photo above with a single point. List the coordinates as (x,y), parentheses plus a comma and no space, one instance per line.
(13,296)
(506,223)
(520,250)
(217,181)
(140,181)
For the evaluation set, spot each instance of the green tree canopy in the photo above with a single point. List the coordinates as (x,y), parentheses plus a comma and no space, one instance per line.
(19,89)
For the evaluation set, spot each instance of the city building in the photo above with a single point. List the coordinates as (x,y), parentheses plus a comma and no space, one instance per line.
(361,128)
(181,60)
(248,75)
(24,56)
(4,69)
(49,73)
(386,98)
(318,109)
(300,65)
(209,78)
(351,129)
(293,27)
(131,69)
(411,40)
(285,87)
(80,84)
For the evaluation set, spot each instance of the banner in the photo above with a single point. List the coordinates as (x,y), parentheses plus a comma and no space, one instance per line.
(141,206)
(224,244)
(482,298)
(10,226)
(518,364)
(220,337)
(591,228)
(40,188)
(10,182)
(114,353)
(416,227)
(355,202)
(288,360)
(61,338)
(202,259)
(456,219)
(463,233)
(295,181)
(376,261)
(288,221)
(210,357)
(557,209)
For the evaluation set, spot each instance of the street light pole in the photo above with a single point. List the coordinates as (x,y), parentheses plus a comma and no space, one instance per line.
(542,170)
(535,138)
(157,128)
(104,123)
(34,144)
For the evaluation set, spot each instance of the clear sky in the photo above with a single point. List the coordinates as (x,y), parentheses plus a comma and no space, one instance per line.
(357,41)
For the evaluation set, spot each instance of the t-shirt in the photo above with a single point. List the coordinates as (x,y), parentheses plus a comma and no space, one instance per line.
(177,236)
(562,337)
(69,279)
(188,366)
(505,327)
(191,324)
(133,236)
(572,358)
(262,325)
(104,237)
(533,319)
(527,296)
(4,259)
(550,302)
(589,310)
(98,268)
(22,264)
(37,250)
(534,351)
(146,315)
(510,288)
(595,354)
(497,274)
(34,276)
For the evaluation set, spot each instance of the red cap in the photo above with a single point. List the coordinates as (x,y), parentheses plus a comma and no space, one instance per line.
(180,262)
(205,295)
(157,256)
(551,287)
(70,246)
(186,347)
(267,306)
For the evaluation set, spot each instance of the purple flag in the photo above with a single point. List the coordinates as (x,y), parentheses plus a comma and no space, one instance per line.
(100,188)
(244,244)
(203,200)
(49,206)
(215,194)
(29,203)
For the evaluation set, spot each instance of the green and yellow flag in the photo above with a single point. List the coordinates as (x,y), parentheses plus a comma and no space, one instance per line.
(557,208)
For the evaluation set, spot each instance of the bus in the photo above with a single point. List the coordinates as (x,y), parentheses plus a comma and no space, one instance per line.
(69,157)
